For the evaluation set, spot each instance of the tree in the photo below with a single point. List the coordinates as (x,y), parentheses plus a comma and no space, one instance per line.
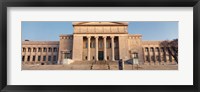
(171,47)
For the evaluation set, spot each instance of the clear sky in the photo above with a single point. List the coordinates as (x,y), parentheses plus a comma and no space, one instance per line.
(50,31)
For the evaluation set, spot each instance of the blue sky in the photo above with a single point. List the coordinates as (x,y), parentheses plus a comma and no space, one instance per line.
(50,31)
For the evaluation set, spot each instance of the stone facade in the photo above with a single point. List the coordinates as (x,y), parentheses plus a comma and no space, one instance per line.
(97,41)
(40,52)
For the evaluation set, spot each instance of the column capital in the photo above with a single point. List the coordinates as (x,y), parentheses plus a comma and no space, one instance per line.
(104,36)
(88,36)
(96,36)
(112,36)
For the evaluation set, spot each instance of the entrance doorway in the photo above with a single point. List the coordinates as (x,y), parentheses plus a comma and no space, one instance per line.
(100,55)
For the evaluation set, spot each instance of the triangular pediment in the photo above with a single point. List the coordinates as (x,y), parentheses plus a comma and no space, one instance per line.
(100,23)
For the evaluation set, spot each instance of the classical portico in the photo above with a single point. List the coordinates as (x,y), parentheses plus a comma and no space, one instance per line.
(105,44)
(98,41)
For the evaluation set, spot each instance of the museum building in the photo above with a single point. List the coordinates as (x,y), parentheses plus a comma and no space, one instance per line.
(96,41)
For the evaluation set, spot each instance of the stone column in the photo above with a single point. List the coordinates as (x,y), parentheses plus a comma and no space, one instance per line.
(162,55)
(113,48)
(150,56)
(104,40)
(155,56)
(144,55)
(96,46)
(167,57)
(88,48)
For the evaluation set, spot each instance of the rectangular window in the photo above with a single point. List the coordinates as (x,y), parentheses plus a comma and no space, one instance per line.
(108,45)
(34,49)
(151,50)
(49,58)
(157,49)
(158,58)
(44,50)
(163,58)
(116,45)
(29,49)
(23,58)
(65,56)
(146,49)
(28,59)
(39,57)
(54,58)
(152,58)
(24,49)
(100,44)
(162,50)
(147,58)
(86,45)
(92,45)
(54,49)
(39,49)
(44,58)
(33,58)
(135,55)
(49,50)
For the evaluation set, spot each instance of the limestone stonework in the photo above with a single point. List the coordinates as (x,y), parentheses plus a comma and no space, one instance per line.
(96,41)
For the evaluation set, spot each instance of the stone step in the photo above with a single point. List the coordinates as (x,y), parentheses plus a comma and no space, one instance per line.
(100,67)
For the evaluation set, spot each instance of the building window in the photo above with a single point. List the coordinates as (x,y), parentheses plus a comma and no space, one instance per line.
(34,49)
(28,59)
(147,58)
(39,50)
(92,45)
(33,58)
(23,58)
(39,57)
(163,57)
(44,49)
(146,49)
(49,58)
(135,55)
(101,44)
(108,44)
(54,58)
(116,45)
(107,57)
(44,58)
(86,57)
(86,45)
(152,58)
(54,49)
(24,50)
(93,57)
(162,49)
(29,49)
(151,50)
(158,58)
(49,49)
(157,49)
(67,55)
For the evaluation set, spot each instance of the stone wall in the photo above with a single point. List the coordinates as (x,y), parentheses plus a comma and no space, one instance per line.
(66,45)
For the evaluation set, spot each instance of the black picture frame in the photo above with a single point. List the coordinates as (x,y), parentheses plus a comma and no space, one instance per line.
(99,3)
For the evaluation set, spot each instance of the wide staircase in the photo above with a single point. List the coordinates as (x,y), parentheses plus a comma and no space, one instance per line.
(102,65)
